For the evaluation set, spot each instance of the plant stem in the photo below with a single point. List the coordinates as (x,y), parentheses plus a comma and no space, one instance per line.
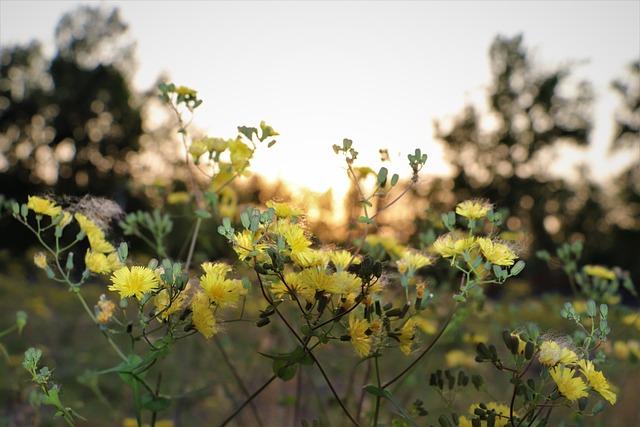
(246,402)
(377,406)
(424,352)
(241,385)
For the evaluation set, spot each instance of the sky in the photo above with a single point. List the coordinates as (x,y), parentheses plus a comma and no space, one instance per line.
(378,72)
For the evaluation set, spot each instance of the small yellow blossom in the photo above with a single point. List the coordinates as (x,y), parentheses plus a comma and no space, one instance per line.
(316,278)
(202,318)
(452,244)
(348,283)
(197,149)
(105,309)
(599,271)
(551,353)
(178,198)
(496,253)
(220,290)
(414,261)
(406,336)
(185,91)
(97,262)
(240,154)
(66,219)
(428,326)
(359,339)
(216,269)
(458,358)
(133,283)
(341,258)
(389,244)
(308,258)
(473,209)
(165,306)
(99,244)
(244,244)
(114,261)
(285,210)
(43,206)
(597,381)
(573,388)
(40,260)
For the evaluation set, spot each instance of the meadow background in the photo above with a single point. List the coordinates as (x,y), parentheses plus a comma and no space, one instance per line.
(72,123)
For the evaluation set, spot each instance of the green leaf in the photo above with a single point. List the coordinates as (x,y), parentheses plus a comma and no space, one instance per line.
(284,370)
(203,214)
(394,179)
(517,268)
(387,395)
(155,404)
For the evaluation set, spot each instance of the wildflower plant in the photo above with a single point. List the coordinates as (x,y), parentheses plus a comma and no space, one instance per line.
(372,299)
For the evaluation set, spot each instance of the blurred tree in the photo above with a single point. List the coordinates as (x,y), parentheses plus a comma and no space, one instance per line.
(503,154)
(68,125)
(624,204)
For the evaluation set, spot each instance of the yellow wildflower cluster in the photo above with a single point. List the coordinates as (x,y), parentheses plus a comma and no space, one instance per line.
(453,245)
(599,272)
(202,317)
(563,363)
(101,257)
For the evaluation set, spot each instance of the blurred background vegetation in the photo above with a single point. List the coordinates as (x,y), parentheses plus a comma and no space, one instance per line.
(73,125)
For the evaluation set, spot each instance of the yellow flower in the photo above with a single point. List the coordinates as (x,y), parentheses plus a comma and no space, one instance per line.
(317,279)
(551,353)
(341,258)
(496,253)
(240,154)
(99,244)
(359,339)
(185,91)
(66,219)
(97,262)
(216,269)
(406,336)
(202,318)
(308,258)
(427,326)
(573,388)
(473,209)
(414,261)
(285,210)
(599,271)
(133,283)
(114,261)
(87,225)
(244,244)
(198,148)
(457,358)
(43,206)
(348,283)
(165,306)
(389,244)
(220,290)
(178,197)
(40,260)
(597,381)
(452,244)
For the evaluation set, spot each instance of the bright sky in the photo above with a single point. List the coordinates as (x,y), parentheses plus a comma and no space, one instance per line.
(376,72)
